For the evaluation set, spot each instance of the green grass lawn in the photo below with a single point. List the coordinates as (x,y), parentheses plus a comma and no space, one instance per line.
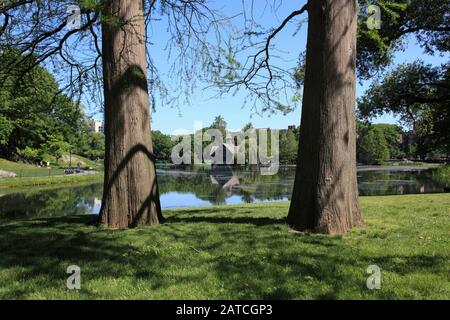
(87,162)
(68,180)
(234,252)
(442,175)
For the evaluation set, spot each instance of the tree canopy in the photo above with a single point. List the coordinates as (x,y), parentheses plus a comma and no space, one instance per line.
(33,113)
(373,147)
(38,122)
(419,95)
(401,20)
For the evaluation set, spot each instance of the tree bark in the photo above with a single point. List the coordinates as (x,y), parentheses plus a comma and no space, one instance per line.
(130,196)
(325,195)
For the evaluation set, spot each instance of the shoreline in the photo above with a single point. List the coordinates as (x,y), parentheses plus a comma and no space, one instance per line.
(397,168)
(9,183)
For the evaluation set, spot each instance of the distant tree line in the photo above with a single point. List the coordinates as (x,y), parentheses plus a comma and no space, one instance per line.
(376,143)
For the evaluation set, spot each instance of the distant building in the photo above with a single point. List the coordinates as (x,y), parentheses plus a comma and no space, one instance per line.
(95,125)
(228,152)
(291,128)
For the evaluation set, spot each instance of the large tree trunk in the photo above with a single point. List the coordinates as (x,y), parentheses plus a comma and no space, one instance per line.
(130,196)
(325,195)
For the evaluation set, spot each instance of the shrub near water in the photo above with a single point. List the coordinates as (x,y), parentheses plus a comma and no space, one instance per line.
(442,175)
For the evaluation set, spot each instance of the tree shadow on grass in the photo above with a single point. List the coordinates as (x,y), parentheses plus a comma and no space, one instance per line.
(236,215)
(256,221)
(208,258)
(270,263)
(39,251)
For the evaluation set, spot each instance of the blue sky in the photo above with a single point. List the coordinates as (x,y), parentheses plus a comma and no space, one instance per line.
(204,107)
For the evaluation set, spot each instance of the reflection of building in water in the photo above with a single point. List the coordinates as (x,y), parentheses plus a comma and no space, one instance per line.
(224,177)
(226,182)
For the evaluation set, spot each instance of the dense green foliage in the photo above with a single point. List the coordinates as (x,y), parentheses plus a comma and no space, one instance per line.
(377,143)
(37,122)
(420,95)
(288,146)
(215,253)
(393,135)
(162,145)
(90,144)
(442,175)
(373,147)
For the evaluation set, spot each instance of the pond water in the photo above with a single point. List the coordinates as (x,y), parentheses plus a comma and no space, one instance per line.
(188,188)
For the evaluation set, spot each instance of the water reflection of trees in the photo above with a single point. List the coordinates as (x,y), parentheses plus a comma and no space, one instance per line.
(216,185)
(50,202)
(373,183)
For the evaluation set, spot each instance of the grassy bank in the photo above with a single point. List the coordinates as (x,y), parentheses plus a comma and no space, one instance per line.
(239,251)
(29,175)
(402,164)
(28,170)
(47,181)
